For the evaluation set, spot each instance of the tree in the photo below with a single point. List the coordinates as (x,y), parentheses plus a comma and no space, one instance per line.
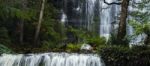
(24,6)
(40,21)
(122,24)
(20,18)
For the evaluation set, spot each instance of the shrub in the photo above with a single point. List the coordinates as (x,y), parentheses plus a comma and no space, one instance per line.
(114,40)
(73,47)
(124,56)
(48,45)
(95,42)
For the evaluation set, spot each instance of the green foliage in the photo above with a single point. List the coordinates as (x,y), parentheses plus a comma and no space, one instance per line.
(140,18)
(140,27)
(48,45)
(96,41)
(73,47)
(4,37)
(80,35)
(84,36)
(15,11)
(142,4)
(4,49)
(51,34)
(124,56)
(18,11)
(114,41)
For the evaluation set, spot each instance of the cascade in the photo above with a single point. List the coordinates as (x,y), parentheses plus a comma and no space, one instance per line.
(63,17)
(108,17)
(83,14)
(50,59)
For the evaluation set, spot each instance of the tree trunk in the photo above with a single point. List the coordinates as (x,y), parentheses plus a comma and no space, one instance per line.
(21,31)
(39,22)
(22,23)
(122,24)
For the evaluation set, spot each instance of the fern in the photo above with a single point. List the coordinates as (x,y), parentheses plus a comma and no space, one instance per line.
(4,49)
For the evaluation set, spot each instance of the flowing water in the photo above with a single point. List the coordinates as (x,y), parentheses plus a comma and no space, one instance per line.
(81,14)
(108,18)
(90,13)
(50,59)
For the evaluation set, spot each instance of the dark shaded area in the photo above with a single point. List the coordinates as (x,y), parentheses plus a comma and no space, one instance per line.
(123,56)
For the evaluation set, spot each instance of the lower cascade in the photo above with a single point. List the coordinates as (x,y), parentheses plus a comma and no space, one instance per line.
(50,59)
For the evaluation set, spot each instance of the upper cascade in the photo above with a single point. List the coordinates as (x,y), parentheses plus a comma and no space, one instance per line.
(96,16)
(93,15)
(50,59)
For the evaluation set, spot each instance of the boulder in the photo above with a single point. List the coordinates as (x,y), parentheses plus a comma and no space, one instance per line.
(86,47)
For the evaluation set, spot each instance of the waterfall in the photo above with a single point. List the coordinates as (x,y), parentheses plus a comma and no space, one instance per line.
(108,18)
(63,17)
(82,14)
(90,4)
(50,59)
(90,13)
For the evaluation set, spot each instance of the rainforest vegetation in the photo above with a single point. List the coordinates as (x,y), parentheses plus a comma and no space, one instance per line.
(35,26)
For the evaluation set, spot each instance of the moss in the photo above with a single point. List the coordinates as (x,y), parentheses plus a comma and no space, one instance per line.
(73,47)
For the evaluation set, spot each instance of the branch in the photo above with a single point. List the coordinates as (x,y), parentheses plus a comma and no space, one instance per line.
(111,3)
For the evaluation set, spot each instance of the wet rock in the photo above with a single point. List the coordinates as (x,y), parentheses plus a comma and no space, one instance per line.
(86,48)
